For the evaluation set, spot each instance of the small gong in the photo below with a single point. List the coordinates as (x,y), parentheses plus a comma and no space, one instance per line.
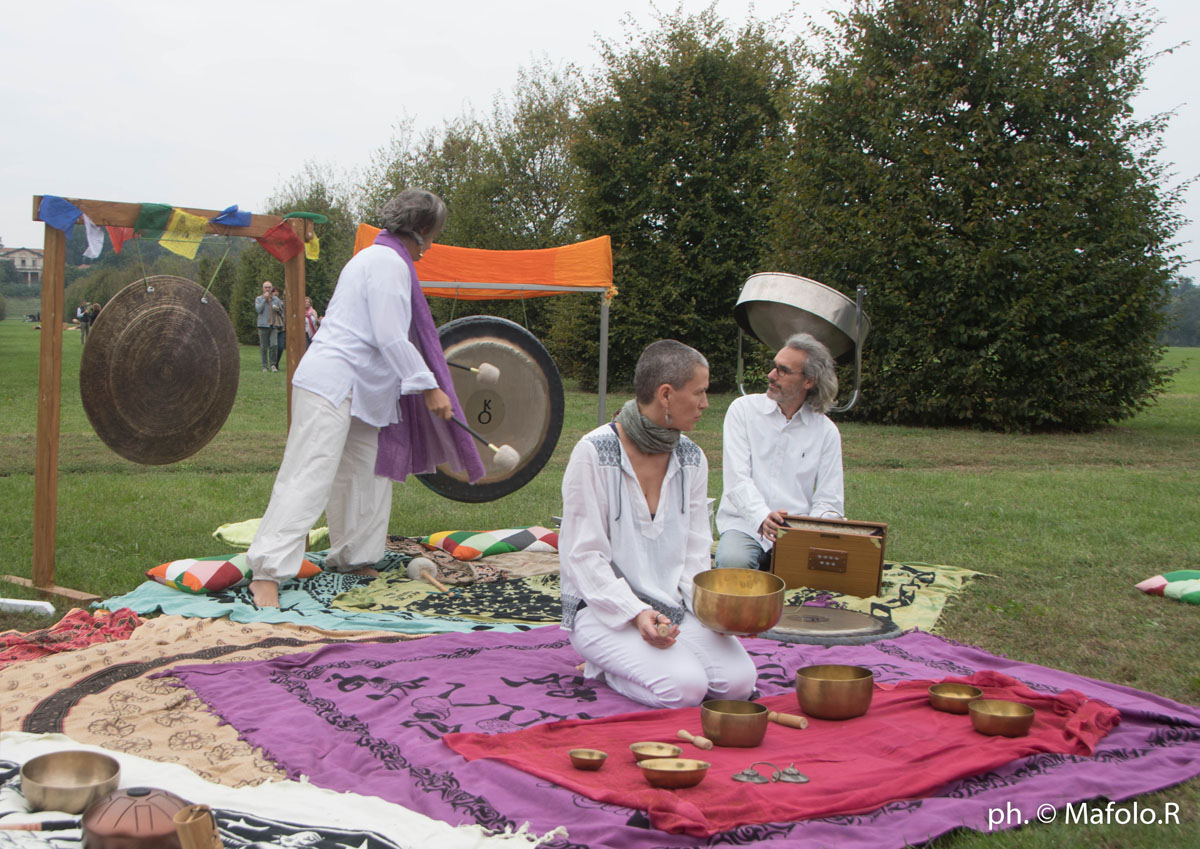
(523,408)
(159,372)
(830,626)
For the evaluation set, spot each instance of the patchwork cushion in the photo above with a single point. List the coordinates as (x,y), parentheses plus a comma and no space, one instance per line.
(1181,585)
(471,545)
(201,575)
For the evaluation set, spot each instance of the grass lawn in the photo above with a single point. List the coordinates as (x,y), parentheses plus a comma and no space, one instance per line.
(1064,524)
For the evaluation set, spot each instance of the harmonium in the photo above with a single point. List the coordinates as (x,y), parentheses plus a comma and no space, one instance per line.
(838,555)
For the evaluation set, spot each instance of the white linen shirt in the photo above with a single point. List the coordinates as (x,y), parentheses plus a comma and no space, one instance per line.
(770,462)
(363,350)
(606,522)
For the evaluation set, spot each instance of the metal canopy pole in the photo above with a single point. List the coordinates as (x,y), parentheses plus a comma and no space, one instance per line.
(602,413)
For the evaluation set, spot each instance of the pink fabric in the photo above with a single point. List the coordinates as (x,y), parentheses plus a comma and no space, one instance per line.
(901,749)
(1153,586)
(77,630)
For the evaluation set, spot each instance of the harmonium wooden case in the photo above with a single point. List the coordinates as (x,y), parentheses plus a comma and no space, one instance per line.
(838,555)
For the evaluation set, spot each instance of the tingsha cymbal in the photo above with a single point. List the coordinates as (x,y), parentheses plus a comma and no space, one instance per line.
(522,407)
(159,372)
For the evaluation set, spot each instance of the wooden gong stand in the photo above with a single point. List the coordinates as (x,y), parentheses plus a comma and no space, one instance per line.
(113,214)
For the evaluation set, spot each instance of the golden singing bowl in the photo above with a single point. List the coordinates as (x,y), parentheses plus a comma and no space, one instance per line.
(587,758)
(673,773)
(738,601)
(68,781)
(645,751)
(834,691)
(953,698)
(1001,717)
(733,722)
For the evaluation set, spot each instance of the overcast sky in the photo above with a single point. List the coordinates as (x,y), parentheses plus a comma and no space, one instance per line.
(215,103)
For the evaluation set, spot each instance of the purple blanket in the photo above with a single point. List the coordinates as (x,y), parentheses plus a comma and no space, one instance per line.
(369,718)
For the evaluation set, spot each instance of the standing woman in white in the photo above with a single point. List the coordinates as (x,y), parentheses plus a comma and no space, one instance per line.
(376,346)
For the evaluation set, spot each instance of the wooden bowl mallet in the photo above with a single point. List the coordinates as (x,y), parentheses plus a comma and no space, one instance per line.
(424,569)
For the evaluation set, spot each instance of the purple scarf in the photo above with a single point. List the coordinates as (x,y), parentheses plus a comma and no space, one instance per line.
(420,442)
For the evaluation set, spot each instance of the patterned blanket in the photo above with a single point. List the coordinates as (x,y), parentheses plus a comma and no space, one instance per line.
(308,602)
(76,630)
(104,695)
(380,712)
(282,813)
(913,596)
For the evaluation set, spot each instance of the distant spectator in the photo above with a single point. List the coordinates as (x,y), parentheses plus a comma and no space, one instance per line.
(266,307)
(311,322)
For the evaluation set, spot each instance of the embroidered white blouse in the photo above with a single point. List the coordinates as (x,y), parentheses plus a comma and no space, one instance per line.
(363,349)
(769,462)
(615,557)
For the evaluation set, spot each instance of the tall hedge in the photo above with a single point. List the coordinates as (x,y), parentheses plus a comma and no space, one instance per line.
(679,144)
(977,165)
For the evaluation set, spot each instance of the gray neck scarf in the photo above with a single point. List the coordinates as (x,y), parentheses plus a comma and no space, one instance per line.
(645,434)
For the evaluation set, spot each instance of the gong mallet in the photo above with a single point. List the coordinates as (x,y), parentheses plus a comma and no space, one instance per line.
(424,569)
(698,742)
(788,719)
(506,456)
(487,374)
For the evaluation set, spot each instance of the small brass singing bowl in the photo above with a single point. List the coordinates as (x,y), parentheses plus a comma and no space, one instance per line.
(1001,717)
(674,773)
(834,691)
(587,758)
(742,602)
(645,751)
(68,781)
(953,698)
(733,722)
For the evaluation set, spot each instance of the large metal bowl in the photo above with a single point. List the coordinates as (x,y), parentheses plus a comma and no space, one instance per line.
(68,781)
(674,773)
(733,722)
(744,602)
(773,305)
(1001,717)
(834,691)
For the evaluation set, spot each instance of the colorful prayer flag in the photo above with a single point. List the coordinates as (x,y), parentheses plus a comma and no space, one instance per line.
(281,242)
(184,232)
(119,236)
(152,219)
(230,217)
(95,238)
(58,212)
(312,248)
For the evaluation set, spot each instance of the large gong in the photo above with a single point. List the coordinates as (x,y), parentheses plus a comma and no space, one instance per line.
(159,372)
(524,408)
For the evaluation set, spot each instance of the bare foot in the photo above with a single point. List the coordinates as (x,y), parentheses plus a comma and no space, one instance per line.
(365,572)
(265,593)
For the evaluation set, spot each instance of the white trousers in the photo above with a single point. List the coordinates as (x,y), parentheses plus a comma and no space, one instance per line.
(701,664)
(328,466)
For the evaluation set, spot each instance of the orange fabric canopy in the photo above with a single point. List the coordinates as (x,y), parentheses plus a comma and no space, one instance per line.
(583,266)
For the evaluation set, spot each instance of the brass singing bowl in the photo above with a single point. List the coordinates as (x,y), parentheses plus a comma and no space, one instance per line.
(953,698)
(68,781)
(999,717)
(733,722)
(587,758)
(649,749)
(673,773)
(738,601)
(834,691)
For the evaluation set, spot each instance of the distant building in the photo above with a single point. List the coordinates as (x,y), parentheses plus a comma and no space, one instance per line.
(26,261)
